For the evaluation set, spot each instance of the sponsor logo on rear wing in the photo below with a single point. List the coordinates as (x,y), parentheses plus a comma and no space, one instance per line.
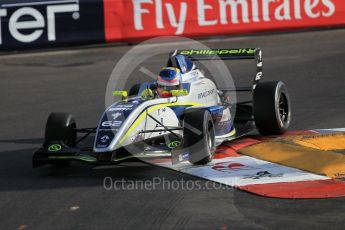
(227,54)
(223,54)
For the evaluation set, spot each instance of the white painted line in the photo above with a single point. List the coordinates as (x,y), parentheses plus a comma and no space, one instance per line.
(336,129)
(243,170)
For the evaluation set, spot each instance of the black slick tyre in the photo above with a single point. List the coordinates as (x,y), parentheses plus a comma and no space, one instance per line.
(272,108)
(61,127)
(199,136)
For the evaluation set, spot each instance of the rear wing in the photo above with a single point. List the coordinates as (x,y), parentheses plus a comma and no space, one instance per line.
(227,54)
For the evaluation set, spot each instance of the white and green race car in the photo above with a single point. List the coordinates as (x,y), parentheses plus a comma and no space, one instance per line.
(186,126)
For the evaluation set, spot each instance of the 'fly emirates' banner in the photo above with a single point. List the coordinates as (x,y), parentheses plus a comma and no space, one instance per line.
(138,19)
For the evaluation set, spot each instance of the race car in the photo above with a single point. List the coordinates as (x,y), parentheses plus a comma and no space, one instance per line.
(187,126)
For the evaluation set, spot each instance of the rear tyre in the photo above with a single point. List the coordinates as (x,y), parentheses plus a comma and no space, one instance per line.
(61,127)
(272,108)
(199,136)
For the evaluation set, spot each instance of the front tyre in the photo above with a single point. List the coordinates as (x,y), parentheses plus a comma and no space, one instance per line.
(272,108)
(61,127)
(199,136)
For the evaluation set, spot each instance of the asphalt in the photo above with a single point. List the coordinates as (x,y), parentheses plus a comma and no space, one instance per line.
(34,84)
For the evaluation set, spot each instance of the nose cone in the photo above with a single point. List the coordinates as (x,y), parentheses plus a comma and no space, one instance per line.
(104,139)
(111,124)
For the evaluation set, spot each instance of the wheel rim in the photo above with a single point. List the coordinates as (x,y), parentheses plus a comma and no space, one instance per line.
(209,142)
(210,138)
(283,108)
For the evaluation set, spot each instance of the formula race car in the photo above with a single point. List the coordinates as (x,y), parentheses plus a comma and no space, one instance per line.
(187,126)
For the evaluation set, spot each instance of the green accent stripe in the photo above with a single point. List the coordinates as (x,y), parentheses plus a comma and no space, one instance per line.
(85,158)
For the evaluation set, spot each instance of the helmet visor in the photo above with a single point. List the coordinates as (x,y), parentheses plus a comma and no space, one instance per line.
(166,91)
(168,88)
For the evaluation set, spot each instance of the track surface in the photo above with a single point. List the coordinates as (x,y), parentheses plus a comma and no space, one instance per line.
(33,85)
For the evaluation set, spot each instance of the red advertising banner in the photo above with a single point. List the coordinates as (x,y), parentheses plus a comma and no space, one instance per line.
(140,19)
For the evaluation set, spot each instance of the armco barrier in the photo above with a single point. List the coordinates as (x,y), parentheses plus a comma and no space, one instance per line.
(49,23)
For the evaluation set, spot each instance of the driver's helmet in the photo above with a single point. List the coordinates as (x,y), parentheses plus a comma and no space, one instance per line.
(168,79)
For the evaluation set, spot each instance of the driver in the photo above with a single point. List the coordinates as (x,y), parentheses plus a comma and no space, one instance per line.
(168,82)
(169,79)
